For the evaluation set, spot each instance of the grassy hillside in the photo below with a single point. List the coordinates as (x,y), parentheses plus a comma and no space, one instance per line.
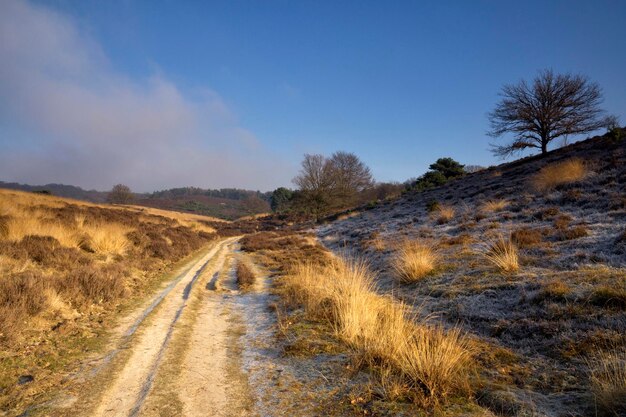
(226,203)
(529,259)
(66,268)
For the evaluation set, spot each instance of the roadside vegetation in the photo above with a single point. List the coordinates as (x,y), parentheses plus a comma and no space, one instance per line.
(66,268)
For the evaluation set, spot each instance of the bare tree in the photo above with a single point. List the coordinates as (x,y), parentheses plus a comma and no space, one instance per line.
(555,105)
(327,183)
(315,175)
(120,194)
(351,176)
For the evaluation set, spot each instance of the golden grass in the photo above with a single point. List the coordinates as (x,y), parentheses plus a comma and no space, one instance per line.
(444,214)
(107,238)
(431,363)
(608,381)
(551,176)
(414,261)
(492,206)
(503,254)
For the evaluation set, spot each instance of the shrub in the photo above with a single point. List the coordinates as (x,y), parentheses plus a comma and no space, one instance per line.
(525,237)
(551,176)
(573,233)
(503,254)
(432,205)
(607,375)
(245,277)
(414,261)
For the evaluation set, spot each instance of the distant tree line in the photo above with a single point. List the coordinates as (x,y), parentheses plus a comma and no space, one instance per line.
(227,193)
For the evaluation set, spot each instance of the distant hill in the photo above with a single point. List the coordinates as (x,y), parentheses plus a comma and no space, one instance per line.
(60,190)
(225,203)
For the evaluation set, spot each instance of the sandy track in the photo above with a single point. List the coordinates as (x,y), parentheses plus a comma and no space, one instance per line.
(126,395)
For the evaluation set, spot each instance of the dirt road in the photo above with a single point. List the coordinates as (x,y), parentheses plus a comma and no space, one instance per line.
(182,353)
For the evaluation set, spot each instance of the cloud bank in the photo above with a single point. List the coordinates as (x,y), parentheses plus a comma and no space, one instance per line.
(67,116)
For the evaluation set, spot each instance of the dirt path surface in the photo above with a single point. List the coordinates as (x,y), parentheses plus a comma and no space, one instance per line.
(200,346)
(130,388)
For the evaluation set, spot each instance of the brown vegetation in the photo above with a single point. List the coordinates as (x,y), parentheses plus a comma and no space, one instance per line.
(65,266)
(414,261)
(608,381)
(245,277)
(559,173)
(503,254)
(426,362)
(525,237)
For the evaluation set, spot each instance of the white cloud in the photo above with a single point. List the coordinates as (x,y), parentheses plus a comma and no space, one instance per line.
(88,125)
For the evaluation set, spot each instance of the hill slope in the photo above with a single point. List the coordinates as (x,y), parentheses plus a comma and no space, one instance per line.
(541,329)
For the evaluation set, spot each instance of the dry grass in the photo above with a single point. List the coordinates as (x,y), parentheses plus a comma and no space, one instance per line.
(443,214)
(107,238)
(493,206)
(426,362)
(560,173)
(608,382)
(414,261)
(526,237)
(503,254)
(245,276)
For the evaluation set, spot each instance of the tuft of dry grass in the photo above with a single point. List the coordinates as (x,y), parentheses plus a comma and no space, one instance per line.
(526,237)
(107,238)
(431,363)
(553,175)
(493,206)
(607,372)
(503,254)
(554,291)
(245,276)
(413,261)
(444,214)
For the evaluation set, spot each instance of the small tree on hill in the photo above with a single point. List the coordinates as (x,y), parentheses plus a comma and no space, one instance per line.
(555,105)
(120,194)
(443,170)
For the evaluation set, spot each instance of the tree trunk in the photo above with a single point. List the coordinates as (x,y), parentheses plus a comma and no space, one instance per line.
(544,146)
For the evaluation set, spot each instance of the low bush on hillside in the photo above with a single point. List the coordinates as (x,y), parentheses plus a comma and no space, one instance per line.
(414,261)
(525,237)
(556,174)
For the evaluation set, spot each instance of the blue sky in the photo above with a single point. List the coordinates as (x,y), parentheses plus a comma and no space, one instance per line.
(256,84)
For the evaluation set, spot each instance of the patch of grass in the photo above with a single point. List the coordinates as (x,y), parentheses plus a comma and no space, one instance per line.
(414,261)
(526,237)
(611,297)
(503,254)
(573,233)
(493,206)
(432,363)
(607,375)
(245,277)
(554,291)
(553,175)
(444,214)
